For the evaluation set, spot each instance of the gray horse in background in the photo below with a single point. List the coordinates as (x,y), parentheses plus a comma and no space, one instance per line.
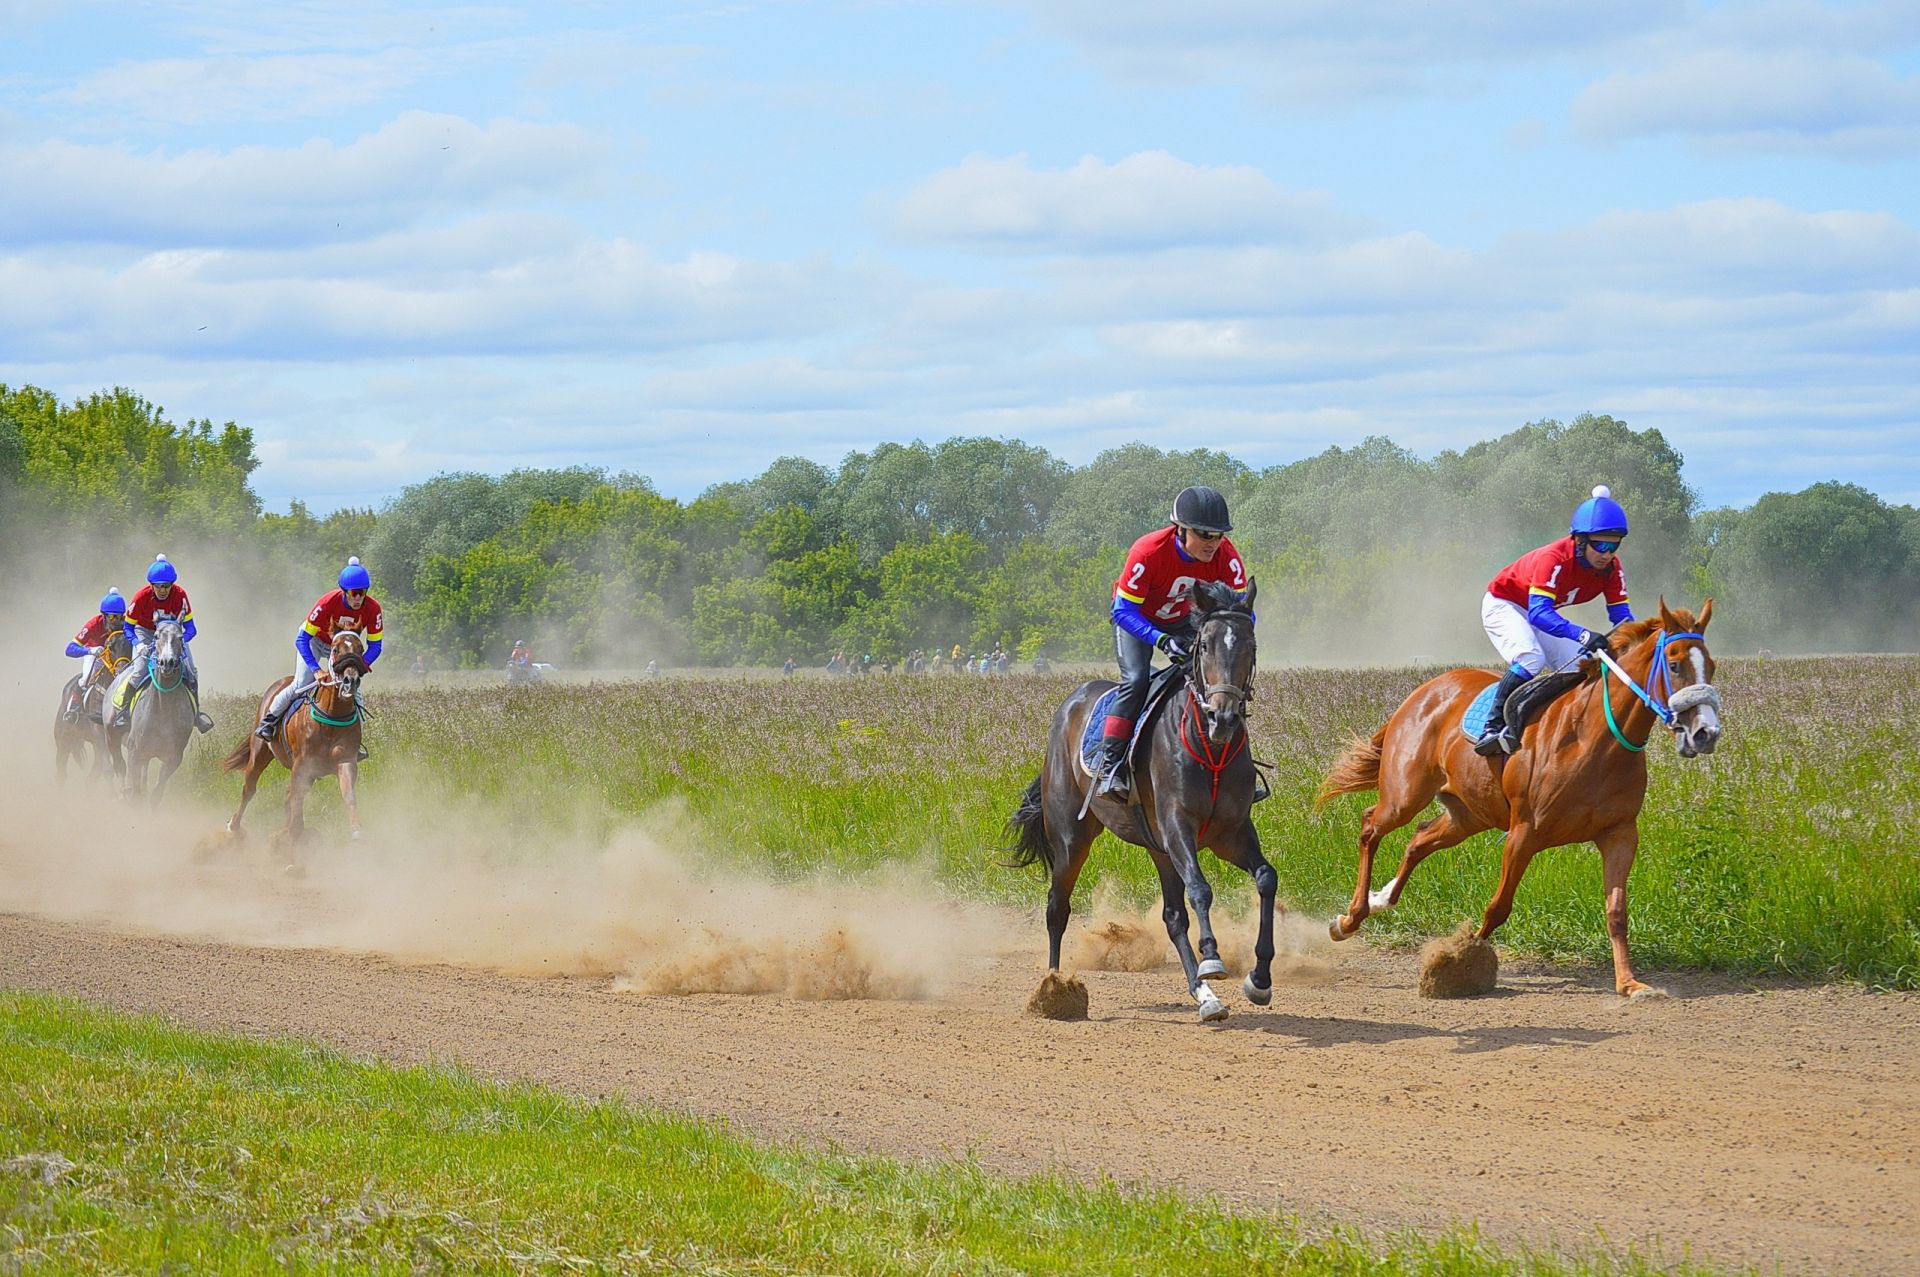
(161,721)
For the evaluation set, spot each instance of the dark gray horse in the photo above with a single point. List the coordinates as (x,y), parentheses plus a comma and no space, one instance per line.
(1194,788)
(72,739)
(161,721)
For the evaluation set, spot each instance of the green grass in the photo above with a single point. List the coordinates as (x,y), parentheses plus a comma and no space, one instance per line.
(130,1146)
(1787,852)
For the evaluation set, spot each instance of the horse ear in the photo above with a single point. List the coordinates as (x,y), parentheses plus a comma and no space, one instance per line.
(1706,614)
(1253,591)
(1667,619)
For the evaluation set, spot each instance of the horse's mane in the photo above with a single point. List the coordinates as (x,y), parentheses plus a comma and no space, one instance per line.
(1633,633)
(1219,596)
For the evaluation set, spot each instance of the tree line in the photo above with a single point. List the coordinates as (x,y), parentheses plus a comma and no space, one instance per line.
(1366,553)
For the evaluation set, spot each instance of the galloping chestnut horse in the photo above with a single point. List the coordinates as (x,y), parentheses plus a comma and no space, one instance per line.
(1578,775)
(1194,790)
(320,737)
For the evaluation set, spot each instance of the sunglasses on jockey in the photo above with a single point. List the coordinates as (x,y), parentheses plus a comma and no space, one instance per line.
(1604,547)
(1204,535)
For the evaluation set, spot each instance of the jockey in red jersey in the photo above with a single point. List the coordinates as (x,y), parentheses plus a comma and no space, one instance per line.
(1150,604)
(348,608)
(90,644)
(162,598)
(1521,607)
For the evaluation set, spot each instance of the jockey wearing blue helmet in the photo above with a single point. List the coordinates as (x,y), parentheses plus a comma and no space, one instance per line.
(348,608)
(160,599)
(1521,610)
(89,644)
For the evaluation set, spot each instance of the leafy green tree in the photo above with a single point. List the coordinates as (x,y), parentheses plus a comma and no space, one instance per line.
(1827,567)
(1124,492)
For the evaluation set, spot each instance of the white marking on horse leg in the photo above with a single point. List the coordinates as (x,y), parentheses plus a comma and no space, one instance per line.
(1211,1007)
(1382,900)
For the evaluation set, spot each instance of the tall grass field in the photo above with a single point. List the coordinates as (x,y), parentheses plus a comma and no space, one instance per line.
(1790,851)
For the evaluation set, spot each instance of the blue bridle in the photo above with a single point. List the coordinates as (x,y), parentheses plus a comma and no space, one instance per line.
(1659,675)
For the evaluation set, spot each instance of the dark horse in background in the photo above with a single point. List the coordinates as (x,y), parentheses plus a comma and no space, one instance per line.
(71,740)
(317,736)
(1578,775)
(1192,789)
(160,722)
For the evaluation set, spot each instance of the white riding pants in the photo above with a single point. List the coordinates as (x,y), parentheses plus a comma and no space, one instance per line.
(1520,643)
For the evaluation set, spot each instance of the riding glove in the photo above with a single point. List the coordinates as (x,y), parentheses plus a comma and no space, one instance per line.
(1594,641)
(1173,645)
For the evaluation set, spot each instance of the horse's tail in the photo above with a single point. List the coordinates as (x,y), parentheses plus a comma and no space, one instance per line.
(234,761)
(1356,770)
(1026,833)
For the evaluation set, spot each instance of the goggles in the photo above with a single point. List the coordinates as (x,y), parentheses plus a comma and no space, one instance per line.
(1206,536)
(1604,547)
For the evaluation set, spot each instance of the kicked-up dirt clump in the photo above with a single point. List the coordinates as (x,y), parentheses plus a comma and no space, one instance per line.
(1059,998)
(1460,965)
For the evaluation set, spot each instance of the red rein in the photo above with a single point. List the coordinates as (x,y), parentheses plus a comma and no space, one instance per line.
(1204,755)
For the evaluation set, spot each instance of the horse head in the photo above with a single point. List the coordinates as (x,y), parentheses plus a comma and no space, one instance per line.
(348,660)
(1691,695)
(169,650)
(1221,668)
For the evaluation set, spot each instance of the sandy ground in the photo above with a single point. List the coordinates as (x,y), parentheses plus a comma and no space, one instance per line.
(1740,1123)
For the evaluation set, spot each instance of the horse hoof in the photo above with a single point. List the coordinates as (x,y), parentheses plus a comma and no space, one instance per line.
(1637,992)
(1211,1008)
(1255,994)
(354,836)
(1211,967)
(1338,928)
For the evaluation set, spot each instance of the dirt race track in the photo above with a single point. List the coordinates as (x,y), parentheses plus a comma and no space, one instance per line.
(1749,1125)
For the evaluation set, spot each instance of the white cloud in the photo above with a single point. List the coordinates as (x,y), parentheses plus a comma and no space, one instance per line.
(275,87)
(1778,100)
(1147,200)
(417,164)
(1340,50)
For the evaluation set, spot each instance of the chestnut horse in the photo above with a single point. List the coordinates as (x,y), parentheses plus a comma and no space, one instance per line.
(1194,789)
(1578,774)
(320,736)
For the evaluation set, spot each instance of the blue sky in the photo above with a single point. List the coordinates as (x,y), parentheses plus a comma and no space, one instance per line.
(685,239)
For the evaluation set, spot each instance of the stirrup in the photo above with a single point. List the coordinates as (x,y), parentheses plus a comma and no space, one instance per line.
(1494,744)
(1117,784)
(202,721)
(360,754)
(268,726)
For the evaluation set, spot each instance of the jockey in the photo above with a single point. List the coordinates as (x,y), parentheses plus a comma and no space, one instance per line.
(348,608)
(1150,604)
(1521,608)
(90,644)
(521,654)
(160,599)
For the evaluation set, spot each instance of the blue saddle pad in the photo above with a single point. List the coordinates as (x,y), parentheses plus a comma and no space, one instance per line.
(1096,729)
(1474,725)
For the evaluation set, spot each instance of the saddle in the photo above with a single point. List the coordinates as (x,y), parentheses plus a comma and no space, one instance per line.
(1164,681)
(1523,706)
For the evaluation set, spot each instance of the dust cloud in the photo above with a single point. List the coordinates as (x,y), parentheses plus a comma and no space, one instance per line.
(1113,936)
(435,880)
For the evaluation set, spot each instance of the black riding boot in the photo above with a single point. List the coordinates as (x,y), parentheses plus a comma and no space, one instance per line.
(269,724)
(1498,738)
(1117,783)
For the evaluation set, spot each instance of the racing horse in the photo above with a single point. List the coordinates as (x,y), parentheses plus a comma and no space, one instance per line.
(316,736)
(1578,775)
(1193,790)
(160,720)
(70,740)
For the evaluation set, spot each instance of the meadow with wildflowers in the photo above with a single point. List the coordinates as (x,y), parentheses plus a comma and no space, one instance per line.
(1784,853)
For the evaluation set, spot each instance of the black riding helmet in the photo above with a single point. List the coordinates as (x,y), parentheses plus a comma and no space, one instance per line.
(1203,508)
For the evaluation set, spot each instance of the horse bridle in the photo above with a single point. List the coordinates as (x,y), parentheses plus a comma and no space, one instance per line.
(1205,692)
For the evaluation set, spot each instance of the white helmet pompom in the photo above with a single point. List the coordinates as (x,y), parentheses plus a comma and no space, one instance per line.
(353,560)
(1602,490)
(159,558)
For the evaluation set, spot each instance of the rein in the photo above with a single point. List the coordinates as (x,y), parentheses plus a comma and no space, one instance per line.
(1191,712)
(313,704)
(153,676)
(1660,674)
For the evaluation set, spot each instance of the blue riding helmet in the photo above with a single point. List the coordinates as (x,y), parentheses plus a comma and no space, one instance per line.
(113,604)
(1599,513)
(354,577)
(161,573)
